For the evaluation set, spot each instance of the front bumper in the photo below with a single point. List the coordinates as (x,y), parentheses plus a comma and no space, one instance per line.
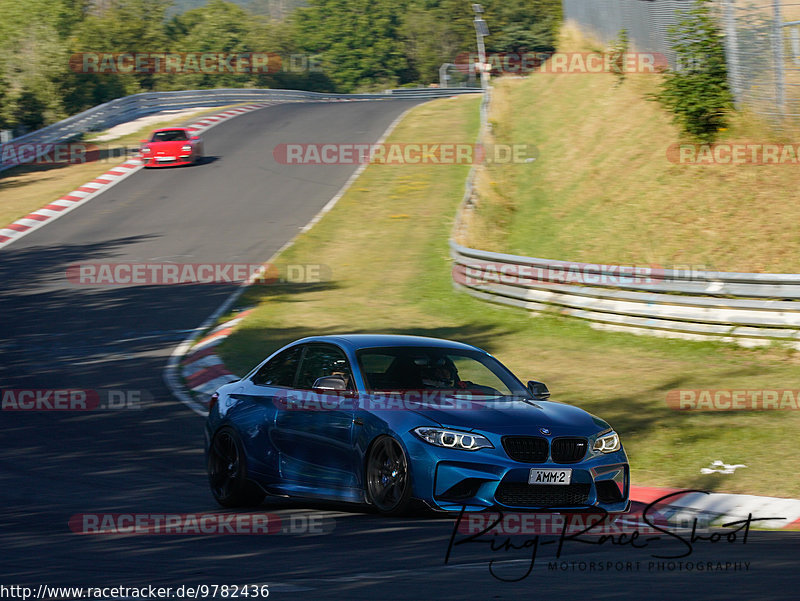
(450,480)
(150,161)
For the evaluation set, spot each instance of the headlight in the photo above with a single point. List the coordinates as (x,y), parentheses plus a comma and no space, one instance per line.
(145,149)
(451,439)
(607,443)
(186,148)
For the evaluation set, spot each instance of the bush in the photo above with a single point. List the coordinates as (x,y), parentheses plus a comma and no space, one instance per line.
(618,51)
(697,90)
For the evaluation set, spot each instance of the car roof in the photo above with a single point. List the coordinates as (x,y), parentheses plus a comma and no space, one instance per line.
(362,341)
(186,129)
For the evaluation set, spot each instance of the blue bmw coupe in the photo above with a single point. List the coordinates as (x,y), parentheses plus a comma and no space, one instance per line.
(387,419)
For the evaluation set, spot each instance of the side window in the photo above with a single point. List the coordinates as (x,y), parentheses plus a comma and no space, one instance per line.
(324,360)
(280,370)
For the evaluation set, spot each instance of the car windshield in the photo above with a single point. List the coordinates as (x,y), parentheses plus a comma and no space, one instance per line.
(429,368)
(173,135)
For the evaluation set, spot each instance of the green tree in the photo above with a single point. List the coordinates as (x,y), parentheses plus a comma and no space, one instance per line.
(436,32)
(135,26)
(33,62)
(360,45)
(219,26)
(295,69)
(523,25)
(3,86)
(429,41)
(697,90)
(518,38)
(358,41)
(442,31)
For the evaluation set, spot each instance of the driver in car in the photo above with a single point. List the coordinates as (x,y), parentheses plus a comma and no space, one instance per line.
(442,374)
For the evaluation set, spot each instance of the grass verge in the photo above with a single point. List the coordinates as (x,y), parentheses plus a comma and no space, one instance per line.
(386,245)
(604,191)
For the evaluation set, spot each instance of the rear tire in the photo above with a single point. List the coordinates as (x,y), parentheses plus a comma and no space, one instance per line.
(227,472)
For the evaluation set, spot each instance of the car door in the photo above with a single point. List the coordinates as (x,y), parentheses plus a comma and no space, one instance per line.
(254,407)
(313,430)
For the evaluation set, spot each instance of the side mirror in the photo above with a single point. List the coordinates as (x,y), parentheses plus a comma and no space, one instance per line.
(330,383)
(538,390)
(195,138)
(142,141)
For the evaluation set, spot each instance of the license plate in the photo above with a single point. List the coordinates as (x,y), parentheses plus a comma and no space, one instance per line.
(550,476)
(165,159)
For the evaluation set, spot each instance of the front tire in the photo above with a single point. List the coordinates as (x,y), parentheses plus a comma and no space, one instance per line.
(388,477)
(227,472)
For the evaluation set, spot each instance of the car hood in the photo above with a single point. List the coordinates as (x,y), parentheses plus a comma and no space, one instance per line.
(516,417)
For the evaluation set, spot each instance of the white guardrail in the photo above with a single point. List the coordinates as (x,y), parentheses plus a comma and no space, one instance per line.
(751,309)
(122,110)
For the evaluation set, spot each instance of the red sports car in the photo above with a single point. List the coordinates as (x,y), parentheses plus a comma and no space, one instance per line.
(171,146)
